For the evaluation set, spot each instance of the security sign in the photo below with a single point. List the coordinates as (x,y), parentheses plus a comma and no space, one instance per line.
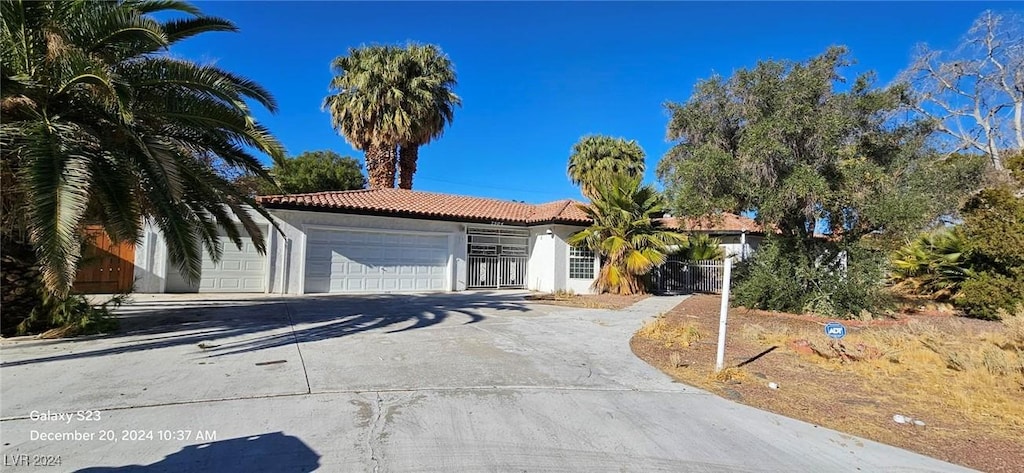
(835,330)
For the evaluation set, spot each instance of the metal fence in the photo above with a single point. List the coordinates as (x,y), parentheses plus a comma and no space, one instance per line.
(686,277)
(496,272)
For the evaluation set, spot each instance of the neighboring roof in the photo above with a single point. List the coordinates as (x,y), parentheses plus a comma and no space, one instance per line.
(721,223)
(429,205)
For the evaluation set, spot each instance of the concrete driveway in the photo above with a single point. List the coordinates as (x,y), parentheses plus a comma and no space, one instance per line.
(454,382)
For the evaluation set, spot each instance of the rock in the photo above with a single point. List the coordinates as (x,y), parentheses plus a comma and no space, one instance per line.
(899,419)
(802,347)
(773,385)
(732,394)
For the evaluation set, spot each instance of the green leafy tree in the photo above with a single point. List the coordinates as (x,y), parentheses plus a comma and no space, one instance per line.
(993,228)
(311,171)
(626,234)
(101,125)
(388,96)
(597,159)
(780,140)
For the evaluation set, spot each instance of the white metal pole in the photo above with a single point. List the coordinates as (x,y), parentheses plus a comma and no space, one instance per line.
(723,313)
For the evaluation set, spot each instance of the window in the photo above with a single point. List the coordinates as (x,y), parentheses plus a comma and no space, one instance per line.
(581,263)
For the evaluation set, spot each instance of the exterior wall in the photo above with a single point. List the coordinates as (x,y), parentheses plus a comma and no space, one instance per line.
(540,270)
(561,262)
(735,249)
(289,273)
(150,260)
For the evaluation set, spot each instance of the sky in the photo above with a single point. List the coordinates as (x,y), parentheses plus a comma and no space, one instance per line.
(535,77)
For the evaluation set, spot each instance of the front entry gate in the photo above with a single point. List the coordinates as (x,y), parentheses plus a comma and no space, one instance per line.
(686,277)
(497,257)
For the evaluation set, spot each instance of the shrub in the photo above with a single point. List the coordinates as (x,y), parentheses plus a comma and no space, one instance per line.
(987,293)
(835,282)
(71,316)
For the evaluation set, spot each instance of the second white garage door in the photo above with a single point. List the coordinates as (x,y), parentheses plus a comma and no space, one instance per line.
(352,261)
(239,270)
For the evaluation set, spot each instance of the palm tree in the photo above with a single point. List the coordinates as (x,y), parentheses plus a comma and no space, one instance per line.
(101,125)
(625,233)
(596,159)
(389,96)
(701,247)
(430,81)
(935,263)
(367,107)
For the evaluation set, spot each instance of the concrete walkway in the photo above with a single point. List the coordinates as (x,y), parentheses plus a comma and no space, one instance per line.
(455,382)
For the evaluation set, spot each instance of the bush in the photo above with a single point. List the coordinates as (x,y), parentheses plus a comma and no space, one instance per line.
(71,316)
(986,293)
(826,280)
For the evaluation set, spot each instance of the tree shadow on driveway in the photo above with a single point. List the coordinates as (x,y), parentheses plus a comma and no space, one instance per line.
(265,323)
(267,452)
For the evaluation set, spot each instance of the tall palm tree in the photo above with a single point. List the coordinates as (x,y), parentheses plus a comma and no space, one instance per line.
(101,125)
(598,158)
(625,233)
(367,107)
(430,79)
(386,97)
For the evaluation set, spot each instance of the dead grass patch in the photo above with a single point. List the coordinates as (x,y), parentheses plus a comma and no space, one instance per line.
(964,378)
(670,335)
(586,301)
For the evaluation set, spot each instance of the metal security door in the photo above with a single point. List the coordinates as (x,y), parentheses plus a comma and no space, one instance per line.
(497,257)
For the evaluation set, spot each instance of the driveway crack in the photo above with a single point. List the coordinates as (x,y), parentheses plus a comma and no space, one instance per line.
(376,432)
(298,348)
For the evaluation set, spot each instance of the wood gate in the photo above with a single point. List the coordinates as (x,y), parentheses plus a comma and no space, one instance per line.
(497,257)
(106,267)
(687,277)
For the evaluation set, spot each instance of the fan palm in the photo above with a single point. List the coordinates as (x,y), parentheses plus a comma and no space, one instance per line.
(389,96)
(99,124)
(701,247)
(626,233)
(596,159)
(430,78)
(935,263)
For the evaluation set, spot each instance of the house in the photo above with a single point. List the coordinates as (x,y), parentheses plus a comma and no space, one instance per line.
(740,236)
(390,240)
(397,240)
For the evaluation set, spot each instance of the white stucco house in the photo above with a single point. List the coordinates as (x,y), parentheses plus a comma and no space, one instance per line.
(394,240)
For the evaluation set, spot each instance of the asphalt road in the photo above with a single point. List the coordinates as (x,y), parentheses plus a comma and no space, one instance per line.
(453,382)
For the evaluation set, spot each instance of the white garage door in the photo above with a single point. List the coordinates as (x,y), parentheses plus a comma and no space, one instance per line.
(238,270)
(348,261)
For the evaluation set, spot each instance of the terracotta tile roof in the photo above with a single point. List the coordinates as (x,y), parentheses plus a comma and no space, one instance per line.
(724,222)
(410,203)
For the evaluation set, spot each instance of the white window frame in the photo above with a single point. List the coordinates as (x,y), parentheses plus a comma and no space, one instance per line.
(592,256)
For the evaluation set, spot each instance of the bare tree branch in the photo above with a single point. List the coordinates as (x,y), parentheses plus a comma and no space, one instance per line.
(975,92)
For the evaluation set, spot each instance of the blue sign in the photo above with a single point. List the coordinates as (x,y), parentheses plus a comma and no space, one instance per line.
(835,330)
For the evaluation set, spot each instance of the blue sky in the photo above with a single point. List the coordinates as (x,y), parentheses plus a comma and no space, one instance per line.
(534,77)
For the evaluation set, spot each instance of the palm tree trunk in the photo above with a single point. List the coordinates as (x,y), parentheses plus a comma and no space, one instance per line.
(380,166)
(20,285)
(407,156)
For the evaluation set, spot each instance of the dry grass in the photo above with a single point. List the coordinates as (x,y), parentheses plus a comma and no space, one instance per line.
(964,378)
(981,377)
(586,301)
(670,335)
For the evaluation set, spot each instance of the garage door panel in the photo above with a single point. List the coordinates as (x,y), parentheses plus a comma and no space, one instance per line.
(239,270)
(347,261)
